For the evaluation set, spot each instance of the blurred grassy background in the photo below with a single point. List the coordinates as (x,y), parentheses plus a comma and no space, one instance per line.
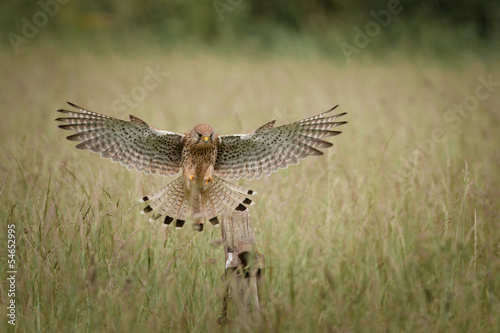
(442,28)
(395,229)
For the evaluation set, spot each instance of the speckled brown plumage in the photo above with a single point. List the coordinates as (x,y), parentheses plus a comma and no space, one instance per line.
(205,158)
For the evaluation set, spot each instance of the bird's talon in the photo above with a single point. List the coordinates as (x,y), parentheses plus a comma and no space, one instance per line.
(208,180)
(191,177)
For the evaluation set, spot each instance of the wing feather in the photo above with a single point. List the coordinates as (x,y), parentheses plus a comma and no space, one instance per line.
(134,143)
(269,148)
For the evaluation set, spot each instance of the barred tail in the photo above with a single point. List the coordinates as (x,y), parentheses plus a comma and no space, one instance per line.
(223,195)
(174,202)
(168,202)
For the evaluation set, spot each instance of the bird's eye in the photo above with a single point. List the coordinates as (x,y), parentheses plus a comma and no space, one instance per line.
(199,135)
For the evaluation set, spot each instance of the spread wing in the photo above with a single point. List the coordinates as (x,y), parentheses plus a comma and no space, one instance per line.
(133,143)
(269,148)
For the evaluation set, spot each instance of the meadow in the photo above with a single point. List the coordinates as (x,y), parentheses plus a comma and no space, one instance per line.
(396,228)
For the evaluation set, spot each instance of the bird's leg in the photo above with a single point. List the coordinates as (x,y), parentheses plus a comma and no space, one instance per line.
(208,175)
(208,180)
(190,177)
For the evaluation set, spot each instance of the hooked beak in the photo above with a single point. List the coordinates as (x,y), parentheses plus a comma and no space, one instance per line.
(205,139)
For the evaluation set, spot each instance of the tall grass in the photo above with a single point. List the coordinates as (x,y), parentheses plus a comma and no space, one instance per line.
(357,240)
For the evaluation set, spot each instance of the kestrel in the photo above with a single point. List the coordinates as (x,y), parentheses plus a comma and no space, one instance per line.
(207,160)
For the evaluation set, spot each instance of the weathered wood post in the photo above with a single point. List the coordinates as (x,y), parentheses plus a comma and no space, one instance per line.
(243,268)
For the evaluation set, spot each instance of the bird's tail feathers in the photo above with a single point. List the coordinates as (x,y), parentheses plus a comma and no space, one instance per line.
(168,202)
(171,203)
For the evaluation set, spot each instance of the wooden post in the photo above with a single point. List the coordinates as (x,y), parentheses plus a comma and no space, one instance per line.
(243,270)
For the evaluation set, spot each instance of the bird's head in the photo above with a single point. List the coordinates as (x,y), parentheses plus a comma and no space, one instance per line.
(203,135)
